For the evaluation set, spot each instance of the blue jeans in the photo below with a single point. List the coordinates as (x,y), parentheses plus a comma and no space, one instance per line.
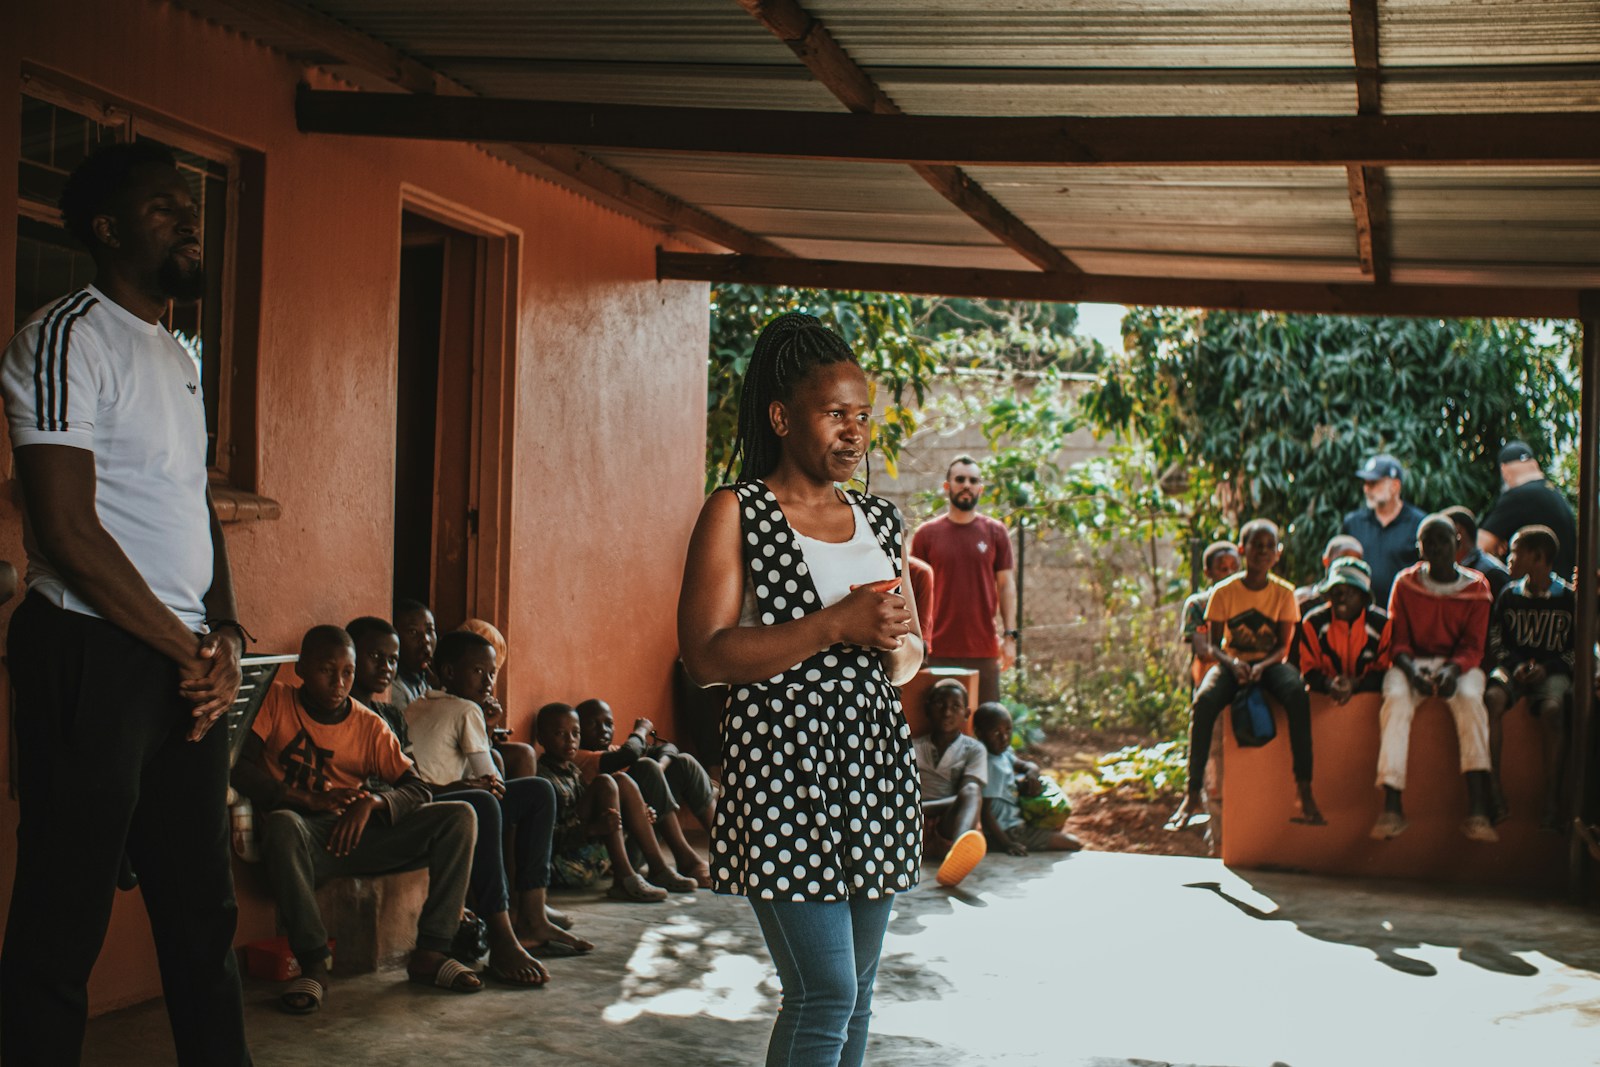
(826,953)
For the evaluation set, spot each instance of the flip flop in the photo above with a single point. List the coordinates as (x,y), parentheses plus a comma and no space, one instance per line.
(555,950)
(967,852)
(451,975)
(303,997)
(513,980)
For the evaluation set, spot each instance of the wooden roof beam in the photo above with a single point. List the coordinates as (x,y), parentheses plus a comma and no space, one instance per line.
(1369,200)
(1498,139)
(841,75)
(322,41)
(1446,301)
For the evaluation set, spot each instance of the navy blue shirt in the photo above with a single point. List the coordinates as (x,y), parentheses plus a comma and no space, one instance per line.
(1389,549)
(1490,567)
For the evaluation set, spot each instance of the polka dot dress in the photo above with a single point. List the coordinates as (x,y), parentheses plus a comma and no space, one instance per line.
(819,782)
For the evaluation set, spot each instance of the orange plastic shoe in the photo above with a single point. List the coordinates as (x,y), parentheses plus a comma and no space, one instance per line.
(967,852)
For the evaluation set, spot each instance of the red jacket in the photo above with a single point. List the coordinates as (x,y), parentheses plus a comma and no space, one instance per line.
(1453,625)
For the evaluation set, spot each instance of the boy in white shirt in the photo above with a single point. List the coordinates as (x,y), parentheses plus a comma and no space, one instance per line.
(954,767)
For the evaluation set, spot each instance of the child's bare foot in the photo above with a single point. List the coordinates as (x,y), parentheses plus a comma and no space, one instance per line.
(1189,812)
(557,918)
(1310,814)
(550,940)
(510,963)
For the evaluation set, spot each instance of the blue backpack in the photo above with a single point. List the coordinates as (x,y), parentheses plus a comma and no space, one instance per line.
(1252,718)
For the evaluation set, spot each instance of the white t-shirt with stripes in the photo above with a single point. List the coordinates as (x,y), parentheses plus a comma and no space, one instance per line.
(87,373)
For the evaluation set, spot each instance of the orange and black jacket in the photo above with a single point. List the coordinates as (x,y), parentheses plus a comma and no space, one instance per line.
(1329,647)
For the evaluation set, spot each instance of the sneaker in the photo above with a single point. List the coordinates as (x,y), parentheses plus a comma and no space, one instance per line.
(968,850)
(1478,828)
(1391,825)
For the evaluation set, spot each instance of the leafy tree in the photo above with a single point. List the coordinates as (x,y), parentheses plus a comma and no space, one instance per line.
(1270,414)
(882,328)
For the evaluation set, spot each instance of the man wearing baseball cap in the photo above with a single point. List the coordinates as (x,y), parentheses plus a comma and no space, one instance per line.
(1387,526)
(1528,500)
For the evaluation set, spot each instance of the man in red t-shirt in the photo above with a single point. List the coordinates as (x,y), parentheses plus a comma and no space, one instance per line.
(974,580)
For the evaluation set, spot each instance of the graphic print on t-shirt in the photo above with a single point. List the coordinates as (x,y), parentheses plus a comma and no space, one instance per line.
(304,764)
(1251,634)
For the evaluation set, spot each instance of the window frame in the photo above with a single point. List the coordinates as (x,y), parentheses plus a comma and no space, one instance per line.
(234,469)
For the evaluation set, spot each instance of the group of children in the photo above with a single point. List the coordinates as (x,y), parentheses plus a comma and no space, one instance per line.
(391,754)
(972,786)
(1481,641)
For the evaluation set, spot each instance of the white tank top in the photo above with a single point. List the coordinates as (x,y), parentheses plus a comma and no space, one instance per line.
(834,566)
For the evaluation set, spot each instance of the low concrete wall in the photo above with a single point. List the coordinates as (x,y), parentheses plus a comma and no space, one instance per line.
(1259,798)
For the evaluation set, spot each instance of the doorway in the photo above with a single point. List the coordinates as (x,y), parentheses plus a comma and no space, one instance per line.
(453,329)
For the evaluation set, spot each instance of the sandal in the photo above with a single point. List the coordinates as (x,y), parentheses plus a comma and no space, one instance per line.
(673,882)
(635,890)
(303,997)
(968,850)
(451,975)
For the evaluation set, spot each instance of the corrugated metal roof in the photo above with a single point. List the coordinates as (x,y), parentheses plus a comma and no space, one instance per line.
(1084,57)
(1432,33)
(854,204)
(1229,211)
(1090,33)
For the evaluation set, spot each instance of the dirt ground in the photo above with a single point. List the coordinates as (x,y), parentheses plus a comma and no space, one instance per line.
(1119,820)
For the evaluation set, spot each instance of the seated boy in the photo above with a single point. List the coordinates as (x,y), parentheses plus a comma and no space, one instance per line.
(377,655)
(662,773)
(1344,646)
(954,768)
(1438,622)
(1340,546)
(1010,777)
(303,764)
(418,636)
(1219,561)
(451,747)
(517,759)
(608,811)
(1251,619)
(1531,647)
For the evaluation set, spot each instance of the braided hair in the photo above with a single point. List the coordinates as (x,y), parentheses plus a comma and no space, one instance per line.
(789,348)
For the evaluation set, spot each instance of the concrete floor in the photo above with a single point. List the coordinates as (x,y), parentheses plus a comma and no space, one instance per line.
(1097,959)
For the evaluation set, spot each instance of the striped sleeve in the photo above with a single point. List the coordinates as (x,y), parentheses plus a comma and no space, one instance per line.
(50,377)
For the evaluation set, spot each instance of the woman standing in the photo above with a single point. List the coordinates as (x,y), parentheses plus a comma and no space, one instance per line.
(790,598)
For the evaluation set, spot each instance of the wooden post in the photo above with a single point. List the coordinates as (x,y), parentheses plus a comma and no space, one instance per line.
(1022,558)
(1583,701)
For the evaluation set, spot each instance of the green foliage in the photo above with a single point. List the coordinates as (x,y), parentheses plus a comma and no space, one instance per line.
(1268,414)
(1148,772)
(1135,679)
(880,327)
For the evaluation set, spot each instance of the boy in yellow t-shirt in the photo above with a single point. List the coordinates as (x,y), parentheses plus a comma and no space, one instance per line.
(1251,620)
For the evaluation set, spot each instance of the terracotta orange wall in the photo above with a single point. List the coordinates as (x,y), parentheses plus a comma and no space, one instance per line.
(609,424)
(1259,798)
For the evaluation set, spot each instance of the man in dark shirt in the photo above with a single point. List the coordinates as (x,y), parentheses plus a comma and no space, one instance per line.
(1468,554)
(1528,499)
(1387,526)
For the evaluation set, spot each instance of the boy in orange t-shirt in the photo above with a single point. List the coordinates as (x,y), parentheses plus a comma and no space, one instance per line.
(1250,621)
(305,764)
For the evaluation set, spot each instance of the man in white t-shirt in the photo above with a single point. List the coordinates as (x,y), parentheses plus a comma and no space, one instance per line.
(125,651)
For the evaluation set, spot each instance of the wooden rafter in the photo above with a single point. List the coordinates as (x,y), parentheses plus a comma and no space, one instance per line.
(322,41)
(841,75)
(1365,299)
(1369,201)
(1500,139)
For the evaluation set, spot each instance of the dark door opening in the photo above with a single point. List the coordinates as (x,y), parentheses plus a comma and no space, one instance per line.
(434,508)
